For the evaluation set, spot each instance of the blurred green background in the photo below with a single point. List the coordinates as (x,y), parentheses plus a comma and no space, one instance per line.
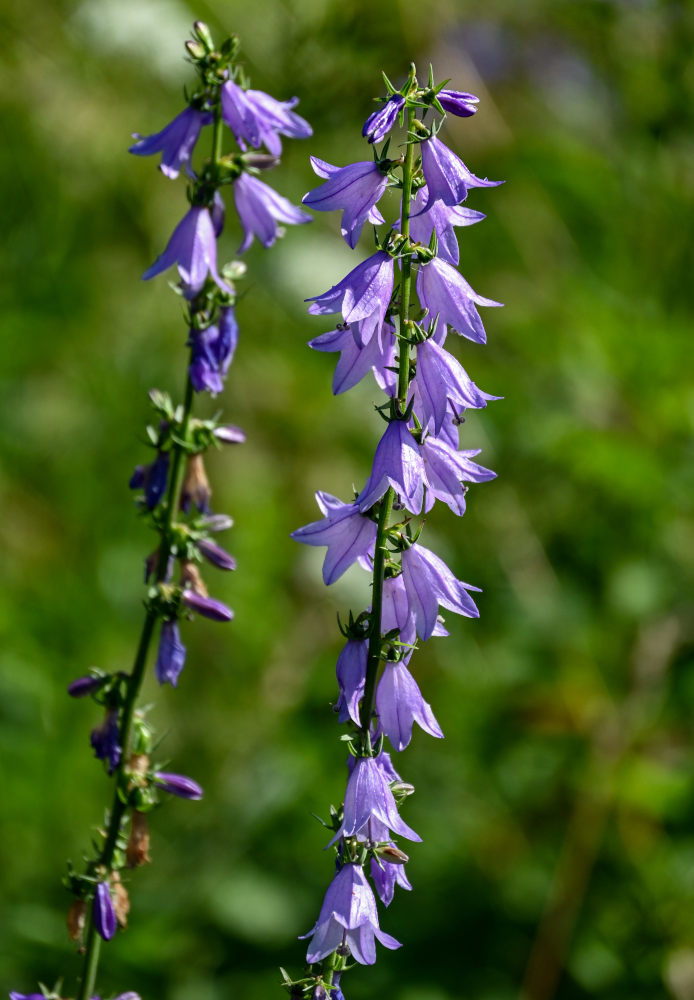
(558,815)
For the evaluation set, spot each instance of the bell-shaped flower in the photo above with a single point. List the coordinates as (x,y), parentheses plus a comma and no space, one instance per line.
(178,784)
(458,102)
(171,655)
(193,248)
(368,796)
(441,382)
(152,479)
(351,677)
(396,613)
(379,124)
(397,463)
(327,170)
(260,208)
(105,740)
(175,142)
(212,351)
(348,534)
(429,583)
(441,218)
(356,359)
(364,294)
(348,916)
(386,876)
(258,119)
(445,293)
(355,189)
(447,177)
(445,472)
(103,912)
(399,705)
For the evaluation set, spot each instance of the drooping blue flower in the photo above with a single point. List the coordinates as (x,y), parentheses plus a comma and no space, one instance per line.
(441,382)
(351,678)
(193,248)
(446,470)
(215,554)
(386,876)
(379,124)
(397,463)
(103,912)
(355,189)
(213,351)
(175,142)
(105,740)
(368,796)
(171,656)
(445,293)
(178,784)
(429,583)
(447,177)
(399,704)
(208,607)
(152,479)
(458,102)
(258,119)
(348,534)
(357,358)
(364,294)
(260,208)
(442,218)
(348,915)
(85,685)
(327,170)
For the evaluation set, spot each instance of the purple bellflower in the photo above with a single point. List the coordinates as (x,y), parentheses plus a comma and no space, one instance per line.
(356,358)
(175,142)
(441,382)
(208,607)
(171,656)
(397,463)
(105,740)
(152,479)
(348,915)
(368,797)
(103,912)
(442,218)
(258,119)
(193,248)
(458,102)
(178,784)
(260,208)
(379,124)
(446,294)
(386,876)
(85,685)
(215,554)
(326,170)
(348,534)
(446,469)
(430,583)
(213,351)
(364,294)
(447,177)
(355,189)
(399,705)
(351,677)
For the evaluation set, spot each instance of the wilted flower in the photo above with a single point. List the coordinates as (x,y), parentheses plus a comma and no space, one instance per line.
(137,850)
(196,485)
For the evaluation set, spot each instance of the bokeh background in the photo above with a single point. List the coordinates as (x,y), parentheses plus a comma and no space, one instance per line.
(558,814)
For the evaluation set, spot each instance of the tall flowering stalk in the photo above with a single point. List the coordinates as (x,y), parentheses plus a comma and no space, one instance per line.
(173,490)
(417,461)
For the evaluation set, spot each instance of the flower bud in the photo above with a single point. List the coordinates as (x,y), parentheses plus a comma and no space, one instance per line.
(103,912)
(203,34)
(84,686)
(75,920)
(401,790)
(196,486)
(392,854)
(195,50)
(261,161)
(137,850)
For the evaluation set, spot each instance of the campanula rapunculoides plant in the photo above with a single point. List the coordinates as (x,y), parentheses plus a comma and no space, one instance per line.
(174,494)
(418,460)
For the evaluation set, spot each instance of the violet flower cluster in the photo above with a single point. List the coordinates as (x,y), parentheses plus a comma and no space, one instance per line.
(418,460)
(174,493)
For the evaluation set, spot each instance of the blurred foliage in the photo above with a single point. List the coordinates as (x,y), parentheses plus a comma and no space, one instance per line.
(558,815)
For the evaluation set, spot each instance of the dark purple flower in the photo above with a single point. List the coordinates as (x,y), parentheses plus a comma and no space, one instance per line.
(356,358)
(208,607)
(351,677)
(256,118)
(442,218)
(355,189)
(213,351)
(368,797)
(348,915)
(446,469)
(103,913)
(27,996)
(260,208)
(397,463)
(193,248)
(171,656)
(229,434)
(348,534)
(429,583)
(399,705)
(215,554)
(379,124)
(442,381)
(175,142)
(385,876)
(178,784)
(445,293)
(85,685)
(105,740)
(152,479)
(447,177)
(458,102)
(364,294)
